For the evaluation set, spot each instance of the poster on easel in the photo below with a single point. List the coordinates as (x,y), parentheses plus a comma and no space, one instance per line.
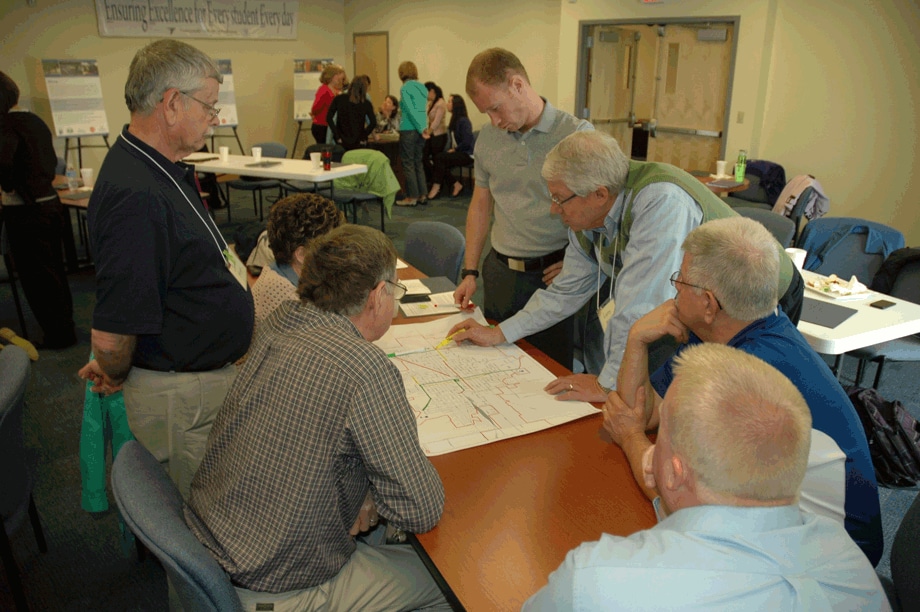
(75,95)
(306,82)
(226,97)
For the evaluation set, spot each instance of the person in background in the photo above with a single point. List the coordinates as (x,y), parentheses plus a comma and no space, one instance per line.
(332,81)
(388,118)
(316,427)
(528,243)
(460,130)
(173,309)
(33,215)
(413,98)
(728,465)
(351,115)
(727,294)
(293,223)
(436,133)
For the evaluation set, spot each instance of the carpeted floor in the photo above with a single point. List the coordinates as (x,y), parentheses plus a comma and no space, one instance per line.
(86,567)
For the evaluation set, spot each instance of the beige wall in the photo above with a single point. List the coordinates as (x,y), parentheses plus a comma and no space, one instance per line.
(263,70)
(442,36)
(826,87)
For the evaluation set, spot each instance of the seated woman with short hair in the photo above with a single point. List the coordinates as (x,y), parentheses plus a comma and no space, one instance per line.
(293,223)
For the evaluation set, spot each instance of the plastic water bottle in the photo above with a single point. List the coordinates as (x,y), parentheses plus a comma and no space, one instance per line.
(71,177)
(741,166)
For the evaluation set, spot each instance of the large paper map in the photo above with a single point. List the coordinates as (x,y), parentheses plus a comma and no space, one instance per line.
(465,396)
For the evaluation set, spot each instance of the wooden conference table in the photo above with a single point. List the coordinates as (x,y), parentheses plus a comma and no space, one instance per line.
(514,508)
(866,327)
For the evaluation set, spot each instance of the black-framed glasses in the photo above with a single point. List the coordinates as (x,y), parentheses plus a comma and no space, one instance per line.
(675,279)
(399,290)
(213,111)
(560,203)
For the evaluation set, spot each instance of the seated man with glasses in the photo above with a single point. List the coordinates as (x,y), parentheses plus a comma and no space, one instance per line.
(726,294)
(625,220)
(315,429)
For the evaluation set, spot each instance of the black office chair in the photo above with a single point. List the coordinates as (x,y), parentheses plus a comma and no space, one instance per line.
(8,275)
(905,285)
(782,228)
(256,185)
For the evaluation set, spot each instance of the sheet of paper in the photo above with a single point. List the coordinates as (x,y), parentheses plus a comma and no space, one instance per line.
(400,264)
(439,303)
(465,396)
(415,287)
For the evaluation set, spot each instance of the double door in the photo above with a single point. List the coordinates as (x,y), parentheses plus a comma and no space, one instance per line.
(661,90)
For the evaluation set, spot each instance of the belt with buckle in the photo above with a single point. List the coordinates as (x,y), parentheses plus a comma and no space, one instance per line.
(533,263)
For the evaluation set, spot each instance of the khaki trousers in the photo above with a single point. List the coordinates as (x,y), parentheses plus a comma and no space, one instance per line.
(171,413)
(378,576)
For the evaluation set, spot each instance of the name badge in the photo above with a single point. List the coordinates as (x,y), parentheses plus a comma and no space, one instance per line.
(605,312)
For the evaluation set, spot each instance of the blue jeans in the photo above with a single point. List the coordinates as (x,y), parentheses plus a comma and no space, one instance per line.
(411,149)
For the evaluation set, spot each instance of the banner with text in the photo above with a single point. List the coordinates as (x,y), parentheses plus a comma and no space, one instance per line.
(306,82)
(75,95)
(276,19)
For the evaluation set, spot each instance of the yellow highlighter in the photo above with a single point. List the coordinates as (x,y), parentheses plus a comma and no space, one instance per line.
(447,340)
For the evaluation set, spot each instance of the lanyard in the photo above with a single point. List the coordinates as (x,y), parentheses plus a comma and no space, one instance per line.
(225,251)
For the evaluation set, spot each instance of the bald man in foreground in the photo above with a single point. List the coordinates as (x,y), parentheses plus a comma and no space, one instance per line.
(730,457)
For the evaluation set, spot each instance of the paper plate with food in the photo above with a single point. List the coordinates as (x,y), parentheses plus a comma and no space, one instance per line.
(837,288)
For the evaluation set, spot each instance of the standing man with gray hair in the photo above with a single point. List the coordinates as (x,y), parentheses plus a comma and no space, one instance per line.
(728,463)
(626,222)
(726,295)
(173,309)
(316,425)
(528,244)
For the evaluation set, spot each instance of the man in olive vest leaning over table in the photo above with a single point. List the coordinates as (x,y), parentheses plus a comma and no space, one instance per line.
(626,223)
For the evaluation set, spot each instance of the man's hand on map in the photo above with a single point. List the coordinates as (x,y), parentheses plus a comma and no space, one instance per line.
(578,388)
(477,333)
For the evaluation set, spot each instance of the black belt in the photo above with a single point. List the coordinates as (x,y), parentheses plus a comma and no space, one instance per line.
(533,263)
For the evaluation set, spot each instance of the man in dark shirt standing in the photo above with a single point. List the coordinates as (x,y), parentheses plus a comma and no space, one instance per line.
(173,309)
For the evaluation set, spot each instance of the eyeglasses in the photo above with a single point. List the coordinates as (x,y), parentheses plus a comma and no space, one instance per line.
(213,111)
(560,203)
(399,290)
(675,279)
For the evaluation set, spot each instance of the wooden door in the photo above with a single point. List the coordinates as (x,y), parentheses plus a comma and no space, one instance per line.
(611,82)
(372,57)
(690,97)
(664,85)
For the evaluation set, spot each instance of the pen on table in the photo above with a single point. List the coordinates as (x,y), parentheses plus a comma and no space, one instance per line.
(409,352)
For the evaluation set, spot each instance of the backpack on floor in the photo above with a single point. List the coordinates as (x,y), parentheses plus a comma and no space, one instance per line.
(894,437)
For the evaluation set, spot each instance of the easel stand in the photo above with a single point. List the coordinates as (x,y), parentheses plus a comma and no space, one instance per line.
(80,146)
(235,136)
(300,128)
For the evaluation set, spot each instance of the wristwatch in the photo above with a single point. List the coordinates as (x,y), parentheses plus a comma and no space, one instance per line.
(468,272)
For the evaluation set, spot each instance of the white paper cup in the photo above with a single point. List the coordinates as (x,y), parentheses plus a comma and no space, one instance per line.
(224,153)
(721,167)
(257,154)
(317,159)
(87,175)
(798,256)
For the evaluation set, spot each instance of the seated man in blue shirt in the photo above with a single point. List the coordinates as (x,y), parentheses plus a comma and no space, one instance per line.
(626,221)
(726,294)
(729,461)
